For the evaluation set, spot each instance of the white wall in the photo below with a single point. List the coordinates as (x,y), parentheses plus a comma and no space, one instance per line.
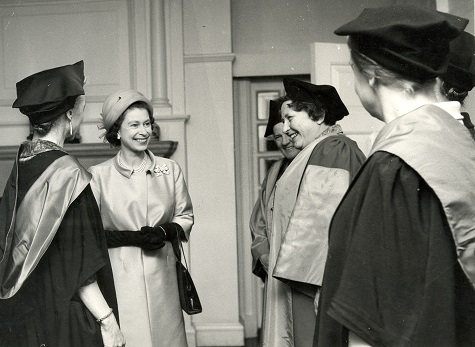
(208,77)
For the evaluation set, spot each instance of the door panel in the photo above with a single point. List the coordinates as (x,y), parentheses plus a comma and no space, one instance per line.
(331,65)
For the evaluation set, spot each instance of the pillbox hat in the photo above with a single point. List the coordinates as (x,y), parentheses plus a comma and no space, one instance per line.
(116,104)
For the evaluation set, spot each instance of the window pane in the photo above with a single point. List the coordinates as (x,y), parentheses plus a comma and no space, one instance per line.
(263,103)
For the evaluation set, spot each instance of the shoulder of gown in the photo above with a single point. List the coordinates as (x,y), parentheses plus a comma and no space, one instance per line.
(338,151)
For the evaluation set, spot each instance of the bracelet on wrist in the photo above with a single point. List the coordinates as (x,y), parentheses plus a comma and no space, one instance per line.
(100,320)
(163,231)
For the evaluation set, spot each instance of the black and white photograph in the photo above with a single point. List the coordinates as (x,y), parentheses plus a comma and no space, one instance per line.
(242,173)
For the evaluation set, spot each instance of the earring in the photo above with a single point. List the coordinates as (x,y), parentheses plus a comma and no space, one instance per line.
(71,128)
(118,136)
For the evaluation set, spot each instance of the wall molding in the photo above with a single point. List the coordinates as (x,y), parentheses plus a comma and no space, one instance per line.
(272,64)
(219,334)
(191,336)
(209,58)
(80,22)
(172,118)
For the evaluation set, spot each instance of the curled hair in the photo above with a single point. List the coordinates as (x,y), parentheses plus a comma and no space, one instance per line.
(453,93)
(111,134)
(370,68)
(280,100)
(315,110)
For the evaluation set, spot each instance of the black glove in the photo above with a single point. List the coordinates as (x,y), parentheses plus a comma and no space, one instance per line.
(165,232)
(120,238)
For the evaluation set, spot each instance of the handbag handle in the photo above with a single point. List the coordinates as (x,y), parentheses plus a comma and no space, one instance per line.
(183,252)
(178,249)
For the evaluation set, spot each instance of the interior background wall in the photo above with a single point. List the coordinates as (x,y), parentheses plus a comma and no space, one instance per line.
(272,37)
(208,80)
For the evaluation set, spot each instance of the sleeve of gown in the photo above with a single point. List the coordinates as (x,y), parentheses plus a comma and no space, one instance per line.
(183,207)
(95,187)
(81,248)
(380,237)
(260,242)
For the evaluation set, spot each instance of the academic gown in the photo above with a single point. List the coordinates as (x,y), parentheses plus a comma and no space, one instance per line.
(306,197)
(146,280)
(41,306)
(260,233)
(468,123)
(395,273)
(277,325)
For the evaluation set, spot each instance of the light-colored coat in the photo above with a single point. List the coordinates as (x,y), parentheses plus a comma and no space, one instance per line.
(145,281)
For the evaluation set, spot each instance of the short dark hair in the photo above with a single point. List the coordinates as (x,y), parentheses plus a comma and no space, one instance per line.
(315,110)
(111,134)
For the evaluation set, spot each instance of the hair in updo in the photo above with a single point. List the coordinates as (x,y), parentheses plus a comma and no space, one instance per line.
(453,93)
(44,128)
(111,134)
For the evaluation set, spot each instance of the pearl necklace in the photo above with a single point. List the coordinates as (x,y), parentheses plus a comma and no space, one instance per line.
(139,169)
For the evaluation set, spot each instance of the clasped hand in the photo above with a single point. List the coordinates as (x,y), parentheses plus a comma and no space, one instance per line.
(154,237)
(149,238)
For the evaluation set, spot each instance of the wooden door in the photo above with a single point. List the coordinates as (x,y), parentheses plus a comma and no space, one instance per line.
(331,65)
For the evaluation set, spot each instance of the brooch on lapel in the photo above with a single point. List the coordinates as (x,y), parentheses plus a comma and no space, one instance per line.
(161,170)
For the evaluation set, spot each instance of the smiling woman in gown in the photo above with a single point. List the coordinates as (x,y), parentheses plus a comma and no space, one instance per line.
(307,195)
(56,286)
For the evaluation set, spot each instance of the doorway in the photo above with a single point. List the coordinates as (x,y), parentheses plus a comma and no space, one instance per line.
(253,156)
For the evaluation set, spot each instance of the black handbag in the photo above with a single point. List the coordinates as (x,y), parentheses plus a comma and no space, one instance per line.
(189,299)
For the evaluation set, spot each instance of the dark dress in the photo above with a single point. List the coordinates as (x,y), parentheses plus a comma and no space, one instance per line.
(392,274)
(46,310)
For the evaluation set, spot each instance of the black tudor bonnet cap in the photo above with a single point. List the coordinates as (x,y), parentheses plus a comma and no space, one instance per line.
(325,95)
(47,94)
(274,116)
(406,39)
(461,70)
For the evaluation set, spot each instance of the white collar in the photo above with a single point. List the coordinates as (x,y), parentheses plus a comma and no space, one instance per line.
(452,108)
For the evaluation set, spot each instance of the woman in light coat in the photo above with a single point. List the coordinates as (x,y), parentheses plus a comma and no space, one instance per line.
(145,205)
